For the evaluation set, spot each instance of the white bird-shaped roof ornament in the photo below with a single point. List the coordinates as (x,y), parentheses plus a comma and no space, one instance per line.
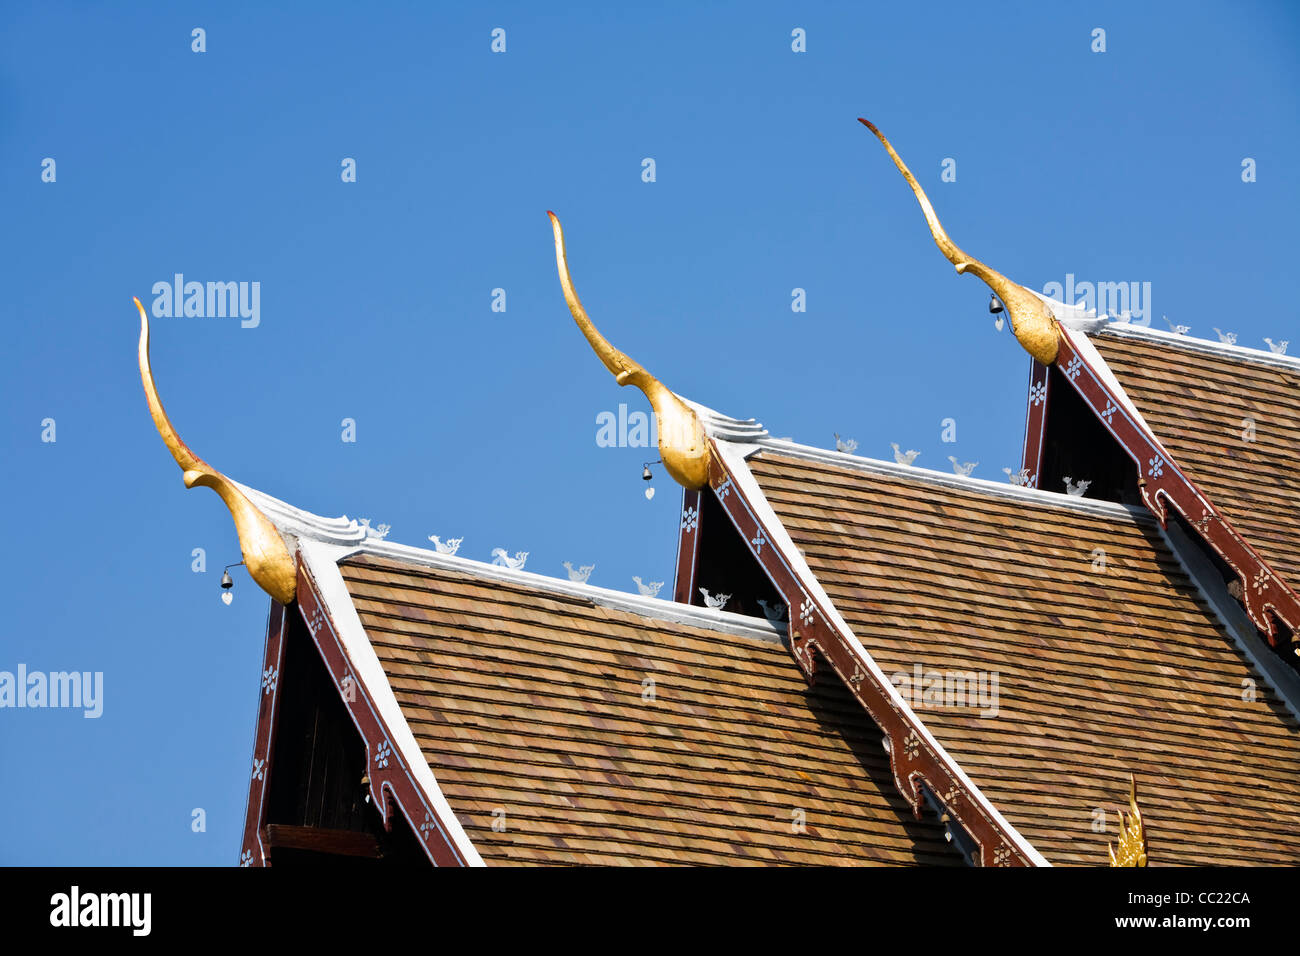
(1077,488)
(647,589)
(903,457)
(715,601)
(516,563)
(450,546)
(579,574)
(1020,477)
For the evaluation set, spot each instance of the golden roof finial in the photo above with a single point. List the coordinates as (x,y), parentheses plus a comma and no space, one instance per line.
(1132,837)
(682,443)
(265,555)
(1031,320)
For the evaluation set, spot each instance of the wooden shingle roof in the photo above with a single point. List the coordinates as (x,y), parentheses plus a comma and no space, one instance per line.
(1204,404)
(1100,673)
(535,710)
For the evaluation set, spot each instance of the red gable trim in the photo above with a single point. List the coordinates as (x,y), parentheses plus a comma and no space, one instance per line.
(254,852)
(389,774)
(1161,482)
(1035,422)
(393,779)
(688,548)
(912,759)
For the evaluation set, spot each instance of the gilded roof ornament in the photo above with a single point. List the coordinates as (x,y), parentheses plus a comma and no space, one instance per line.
(1132,837)
(265,554)
(1031,319)
(683,444)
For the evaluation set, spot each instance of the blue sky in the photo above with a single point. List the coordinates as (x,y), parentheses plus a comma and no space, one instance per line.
(376,295)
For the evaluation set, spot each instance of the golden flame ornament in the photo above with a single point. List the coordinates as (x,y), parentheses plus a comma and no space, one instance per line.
(682,443)
(1031,319)
(265,554)
(1132,837)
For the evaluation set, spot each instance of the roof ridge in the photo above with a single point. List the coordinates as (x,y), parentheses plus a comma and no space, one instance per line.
(349,533)
(295,521)
(987,487)
(1078,319)
(655,608)
(1205,346)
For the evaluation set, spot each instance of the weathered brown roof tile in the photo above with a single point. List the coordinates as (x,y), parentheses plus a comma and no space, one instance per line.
(1100,674)
(1197,402)
(530,701)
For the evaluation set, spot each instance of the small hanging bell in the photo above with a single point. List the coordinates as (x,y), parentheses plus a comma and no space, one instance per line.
(995,308)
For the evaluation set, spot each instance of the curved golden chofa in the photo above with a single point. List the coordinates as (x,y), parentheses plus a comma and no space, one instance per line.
(682,443)
(1132,837)
(1031,320)
(265,555)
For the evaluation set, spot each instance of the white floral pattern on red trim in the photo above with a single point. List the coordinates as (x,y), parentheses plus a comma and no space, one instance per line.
(690,518)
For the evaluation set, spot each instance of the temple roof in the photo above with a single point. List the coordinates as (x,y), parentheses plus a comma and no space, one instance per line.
(1101,641)
(524,693)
